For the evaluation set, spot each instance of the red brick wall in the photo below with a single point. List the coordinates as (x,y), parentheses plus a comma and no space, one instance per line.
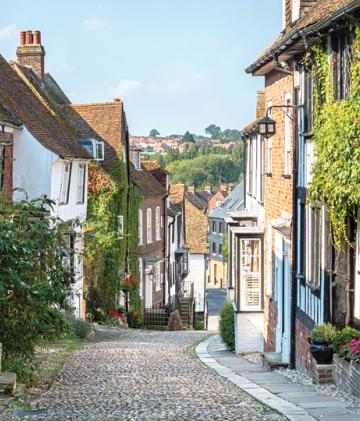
(155,248)
(303,358)
(270,322)
(278,189)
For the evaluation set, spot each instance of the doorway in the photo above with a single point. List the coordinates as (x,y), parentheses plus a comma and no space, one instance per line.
(283,297)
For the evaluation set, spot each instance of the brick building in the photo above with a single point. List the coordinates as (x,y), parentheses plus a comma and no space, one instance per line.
(306,280)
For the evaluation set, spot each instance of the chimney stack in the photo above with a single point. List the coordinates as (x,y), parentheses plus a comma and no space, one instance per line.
(30,52)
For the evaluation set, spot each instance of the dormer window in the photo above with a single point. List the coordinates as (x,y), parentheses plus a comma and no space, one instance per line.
(94,147)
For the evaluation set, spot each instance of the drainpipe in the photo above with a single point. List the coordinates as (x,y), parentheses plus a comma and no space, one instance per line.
(294,225)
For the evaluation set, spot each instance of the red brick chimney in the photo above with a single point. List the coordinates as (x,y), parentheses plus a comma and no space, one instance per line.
(30,52)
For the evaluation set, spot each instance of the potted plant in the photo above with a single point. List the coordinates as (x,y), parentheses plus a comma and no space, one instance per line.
(321,343)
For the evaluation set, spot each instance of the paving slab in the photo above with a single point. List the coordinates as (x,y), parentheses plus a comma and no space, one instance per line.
(296,401)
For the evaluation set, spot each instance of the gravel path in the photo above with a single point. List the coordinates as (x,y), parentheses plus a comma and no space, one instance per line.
(145,376)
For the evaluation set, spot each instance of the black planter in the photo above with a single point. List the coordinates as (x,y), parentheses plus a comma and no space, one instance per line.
(321,350)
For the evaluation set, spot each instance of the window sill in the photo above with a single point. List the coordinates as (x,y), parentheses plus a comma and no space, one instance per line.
(286,176)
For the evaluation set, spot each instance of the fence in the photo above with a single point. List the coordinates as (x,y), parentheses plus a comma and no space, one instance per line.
(156,316)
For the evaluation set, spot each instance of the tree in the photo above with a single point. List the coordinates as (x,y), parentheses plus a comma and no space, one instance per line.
(231,135)
(188,137)
(214,131)
(34,282)
(154,133)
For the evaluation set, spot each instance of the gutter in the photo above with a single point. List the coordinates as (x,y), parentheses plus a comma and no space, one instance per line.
(297,33)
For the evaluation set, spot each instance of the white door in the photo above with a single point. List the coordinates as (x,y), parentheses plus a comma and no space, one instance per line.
(148,291)
(283,297)
(286,338)
(250,274)
(279,293)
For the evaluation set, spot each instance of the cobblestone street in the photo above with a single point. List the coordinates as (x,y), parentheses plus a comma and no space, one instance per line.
(145,376)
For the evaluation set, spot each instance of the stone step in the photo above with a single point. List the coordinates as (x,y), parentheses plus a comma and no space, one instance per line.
(8,382)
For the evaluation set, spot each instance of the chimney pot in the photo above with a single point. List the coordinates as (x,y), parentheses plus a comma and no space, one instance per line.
(28,38)
(208,189)
(22,38)
(191,189)
(117,99)
(37,37)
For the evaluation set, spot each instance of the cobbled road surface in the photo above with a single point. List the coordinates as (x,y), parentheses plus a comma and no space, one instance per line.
(145,376)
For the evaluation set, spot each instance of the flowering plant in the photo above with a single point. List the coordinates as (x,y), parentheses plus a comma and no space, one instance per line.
(351,350)
(129,281)
(116,315)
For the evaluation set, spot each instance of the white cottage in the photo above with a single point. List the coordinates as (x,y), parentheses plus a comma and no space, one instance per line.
(47,160)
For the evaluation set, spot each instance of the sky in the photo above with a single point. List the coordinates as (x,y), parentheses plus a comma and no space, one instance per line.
(178,65)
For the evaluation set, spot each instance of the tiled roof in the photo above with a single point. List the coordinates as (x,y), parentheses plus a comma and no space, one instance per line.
(16,95)
(199,199)
(105,122)
(233,203)
(319,14)
(146,183)
(251,126)
(196,225)
(101,121)
(177,193)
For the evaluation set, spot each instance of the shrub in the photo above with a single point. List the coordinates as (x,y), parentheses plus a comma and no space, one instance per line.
(175,321)
(325,331)
(82,328)
(227,325)
(199,325)
(34,282)
(344,336)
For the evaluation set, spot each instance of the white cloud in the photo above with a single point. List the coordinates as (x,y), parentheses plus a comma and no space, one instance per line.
(94,24)
(125,87)
(7,31)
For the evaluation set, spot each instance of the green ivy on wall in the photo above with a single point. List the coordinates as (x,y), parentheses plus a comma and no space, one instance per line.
(107,248)
(336,171)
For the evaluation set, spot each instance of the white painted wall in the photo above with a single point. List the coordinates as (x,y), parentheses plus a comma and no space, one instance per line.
(38,171)
(197,276)
(32,166)
(71,210)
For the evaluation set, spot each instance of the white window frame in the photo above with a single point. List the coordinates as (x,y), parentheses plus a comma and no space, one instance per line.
(81,182)
(149,226)
(65,183)
(287,137)
(157,224)
(309,160)
(313,244)
(295,10)
(141,275)
(141,228)
(91,146)
(157,278)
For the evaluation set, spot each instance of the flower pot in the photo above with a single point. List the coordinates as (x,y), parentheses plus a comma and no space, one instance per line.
(321,350)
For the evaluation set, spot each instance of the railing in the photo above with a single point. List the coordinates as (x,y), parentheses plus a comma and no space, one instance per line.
(156,316)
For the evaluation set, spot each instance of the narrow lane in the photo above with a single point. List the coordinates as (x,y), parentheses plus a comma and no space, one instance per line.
(215,300)
(145,376)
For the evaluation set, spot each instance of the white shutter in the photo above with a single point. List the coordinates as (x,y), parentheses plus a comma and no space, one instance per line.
(80,192)
(140,227)
(149,225)
(65,181)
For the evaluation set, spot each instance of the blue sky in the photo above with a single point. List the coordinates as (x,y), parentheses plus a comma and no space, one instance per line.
(177,64)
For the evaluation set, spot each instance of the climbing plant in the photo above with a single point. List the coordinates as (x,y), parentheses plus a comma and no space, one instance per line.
(336,171)
(109,233)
